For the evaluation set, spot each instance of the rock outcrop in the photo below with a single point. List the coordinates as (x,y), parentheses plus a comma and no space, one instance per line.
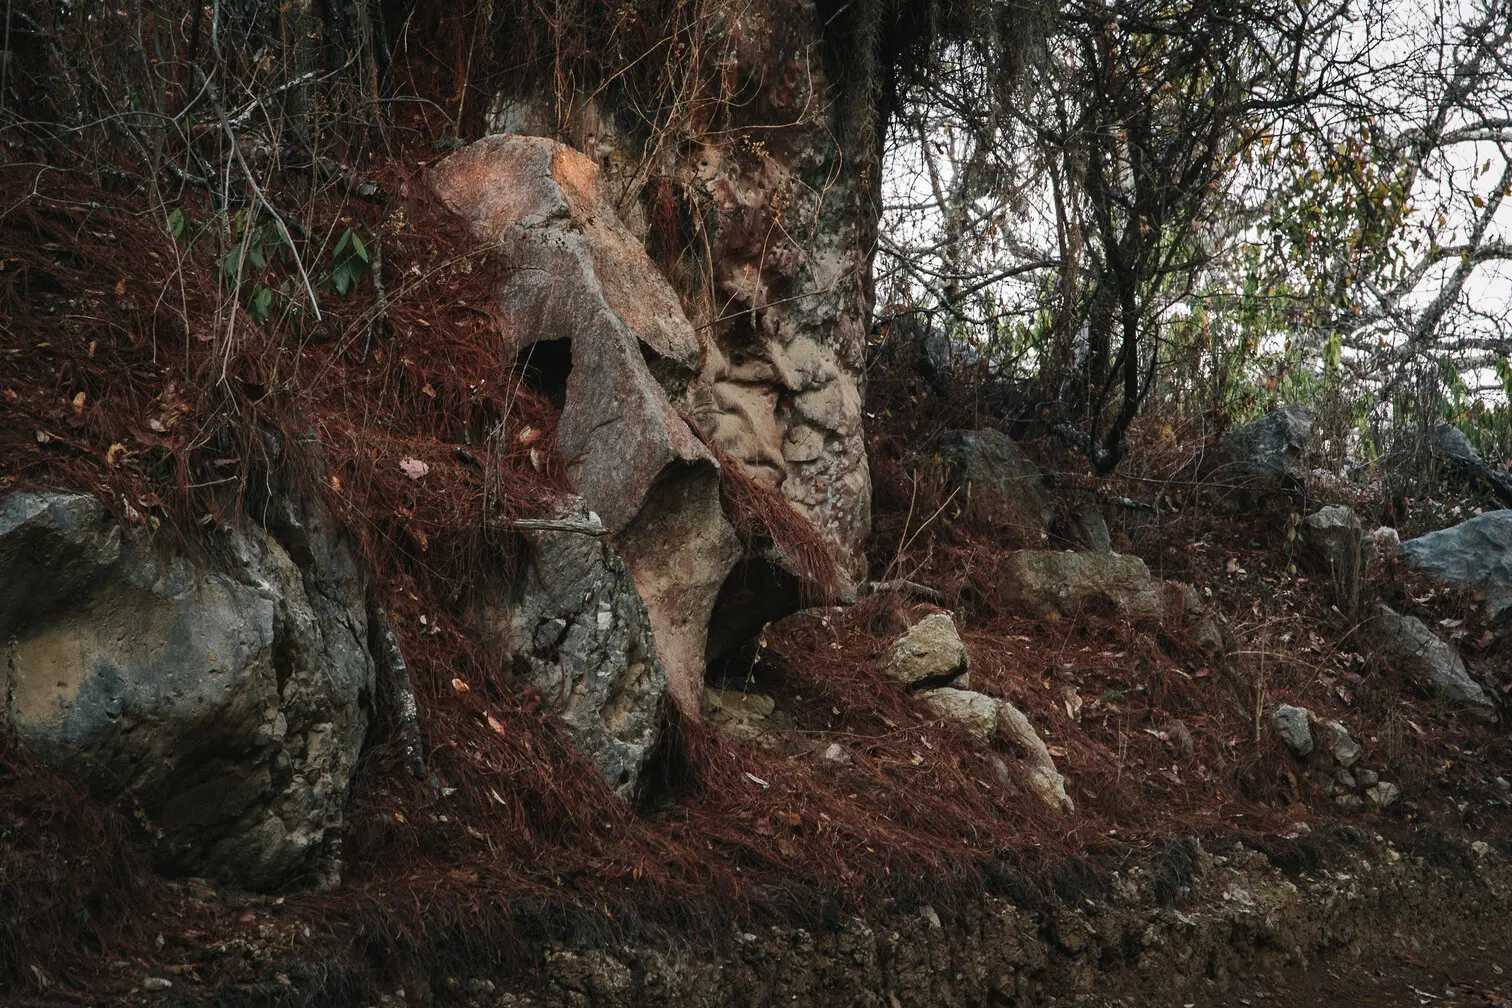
(1406,643)
(1477,552)
(577,275)
(226,698)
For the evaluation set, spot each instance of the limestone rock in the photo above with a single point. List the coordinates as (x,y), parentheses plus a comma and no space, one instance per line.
(929,651)
(1334,739)
(836,755)
(577,630)
(1070,584)
(1292,725)
(1407,643)
(975,712)
(1272,450)
(1367,778)
(1332,544)
(1383,794)
(1476,552)
(1043,778)
(229,699)
(1001,485)
(577,275)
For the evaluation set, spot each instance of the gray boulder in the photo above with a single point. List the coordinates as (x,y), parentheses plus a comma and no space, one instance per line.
(1055,584)
(579,633)
(1477,552)
(1292,725)
(1001,485)
(226,699)
(1332,545)
(1271,450)
(1407,643)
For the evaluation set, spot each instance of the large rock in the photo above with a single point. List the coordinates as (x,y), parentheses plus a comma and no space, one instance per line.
(929,651)
(1270,451)
(1001,485)
(227,700)
(1333,545)
(1407,643)
(1068,584)
(1476,552)
(576,274)
(767,226)
(1043,778)
(580,634)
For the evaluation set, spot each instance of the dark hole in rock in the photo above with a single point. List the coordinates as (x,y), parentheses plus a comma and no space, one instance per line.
(757,592)
(546,365)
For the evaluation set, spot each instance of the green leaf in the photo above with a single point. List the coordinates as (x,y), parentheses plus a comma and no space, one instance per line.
(358,246)
(255,257)
(177,219)
(261,306)
(341,245)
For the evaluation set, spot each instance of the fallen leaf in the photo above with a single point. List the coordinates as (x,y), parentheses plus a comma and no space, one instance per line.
(754,779)
(428,390)
(537,459)
(155,424)
(1055,750)
(113,453)
(460,686)
(530,435)
(498,727)
(413,467)
(43,437)
(78,403)
(336,483)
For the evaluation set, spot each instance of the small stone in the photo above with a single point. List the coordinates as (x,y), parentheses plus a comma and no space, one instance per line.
(1367,778)
(1504,784)
(1350,802)
(837,754)
(1383,794)
(1480,848)
(156,984)
(1291,725)
(931,649)
(1345,779)
(1334,739)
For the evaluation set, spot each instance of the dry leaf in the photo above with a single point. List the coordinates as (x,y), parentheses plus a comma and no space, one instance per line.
(754,779)
(460,686)
(78,403)
(43,437)
(428,390)
(1055,750)
(113,453)
(413,468)
(336,483)
(537,459)
(155,424)
(530,435)
(496,725)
